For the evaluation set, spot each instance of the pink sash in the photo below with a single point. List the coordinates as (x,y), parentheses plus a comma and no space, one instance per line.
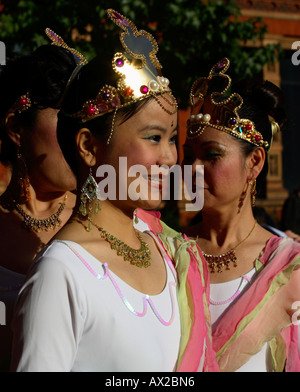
(263,313)
(193,282)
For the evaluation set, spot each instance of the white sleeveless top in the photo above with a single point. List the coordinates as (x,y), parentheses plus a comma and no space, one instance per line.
(74,314)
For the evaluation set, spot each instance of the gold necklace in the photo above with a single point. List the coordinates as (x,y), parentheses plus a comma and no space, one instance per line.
(217,263)
(46,224)
(138,257)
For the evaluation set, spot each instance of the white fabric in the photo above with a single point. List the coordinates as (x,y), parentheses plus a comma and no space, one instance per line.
(67,319)
(10,284)
(220,292)
(141,225)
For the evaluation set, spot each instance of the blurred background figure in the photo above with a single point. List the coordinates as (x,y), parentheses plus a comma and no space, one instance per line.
(38,199)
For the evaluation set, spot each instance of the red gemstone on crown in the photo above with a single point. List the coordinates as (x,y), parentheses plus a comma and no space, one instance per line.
(90,110)
(257,138)
(144,89)
(102,107)
(115,103)
(128,92)
(248,127)
(23,101)
(119,62)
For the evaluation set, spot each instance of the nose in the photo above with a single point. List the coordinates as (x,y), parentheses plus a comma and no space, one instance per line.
(196,162)
(168,155)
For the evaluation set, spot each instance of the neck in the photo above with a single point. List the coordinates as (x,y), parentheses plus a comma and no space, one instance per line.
(224,228)
(35,201)
(111,217)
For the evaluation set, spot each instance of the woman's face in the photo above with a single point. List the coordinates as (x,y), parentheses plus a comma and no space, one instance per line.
(225,168)
(147,139)
(47,168)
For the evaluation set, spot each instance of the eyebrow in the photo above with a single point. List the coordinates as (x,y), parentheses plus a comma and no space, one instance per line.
(212,142)
(151,127)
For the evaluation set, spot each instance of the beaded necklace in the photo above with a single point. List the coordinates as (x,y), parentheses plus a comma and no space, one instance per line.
(50,223)
(217,263)
(139,257)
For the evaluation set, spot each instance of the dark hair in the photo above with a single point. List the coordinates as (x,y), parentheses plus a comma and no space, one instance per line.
(261,101)
(44,74)
(91,78)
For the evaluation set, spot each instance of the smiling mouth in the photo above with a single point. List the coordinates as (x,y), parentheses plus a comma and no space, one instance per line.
(155,181)
(198,188)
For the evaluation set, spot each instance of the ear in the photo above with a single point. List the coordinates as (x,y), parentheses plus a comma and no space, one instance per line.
(256,162)
(87,146)
(13,129)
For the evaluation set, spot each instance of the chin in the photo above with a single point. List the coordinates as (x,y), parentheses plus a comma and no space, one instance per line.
(148,204)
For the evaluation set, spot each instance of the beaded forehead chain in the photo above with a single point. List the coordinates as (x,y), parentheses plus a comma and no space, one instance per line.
(211,109)
(138,71)
(24,102)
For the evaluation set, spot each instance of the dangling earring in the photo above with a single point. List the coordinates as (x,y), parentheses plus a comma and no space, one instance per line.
(136,218)
(88,195)
(23,180)
(253,192)
(242,198)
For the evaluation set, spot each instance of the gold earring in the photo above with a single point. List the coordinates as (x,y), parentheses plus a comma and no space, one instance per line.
(136,218)
(23,180)
(88,195)
(253,192)
(242,198)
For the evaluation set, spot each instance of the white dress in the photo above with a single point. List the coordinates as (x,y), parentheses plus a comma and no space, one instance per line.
(222,295)
(10,284)
(74,314)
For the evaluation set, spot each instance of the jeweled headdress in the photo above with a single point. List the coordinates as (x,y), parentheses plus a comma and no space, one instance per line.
(138,71)
(58,41)
(210,108)
(24,102)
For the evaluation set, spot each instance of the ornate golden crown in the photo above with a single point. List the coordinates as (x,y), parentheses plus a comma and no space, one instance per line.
(138,70)
(24,102)
(211,109)
(58,41)
(21,104)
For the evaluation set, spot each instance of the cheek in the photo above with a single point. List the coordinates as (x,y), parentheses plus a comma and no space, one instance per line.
(138,154)
(223,176)
(44,140)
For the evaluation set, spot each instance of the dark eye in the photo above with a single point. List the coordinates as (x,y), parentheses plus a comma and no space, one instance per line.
(154,138)
(212,154)
(173,139)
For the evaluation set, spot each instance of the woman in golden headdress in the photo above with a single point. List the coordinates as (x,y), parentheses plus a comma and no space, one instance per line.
(103,296)
(255,276)
(38,200)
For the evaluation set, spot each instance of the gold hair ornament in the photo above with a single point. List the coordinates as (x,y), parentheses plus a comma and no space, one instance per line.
(24,102)
(21,104)
(58,41)
(275,128)
(211,109)
(139,73)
